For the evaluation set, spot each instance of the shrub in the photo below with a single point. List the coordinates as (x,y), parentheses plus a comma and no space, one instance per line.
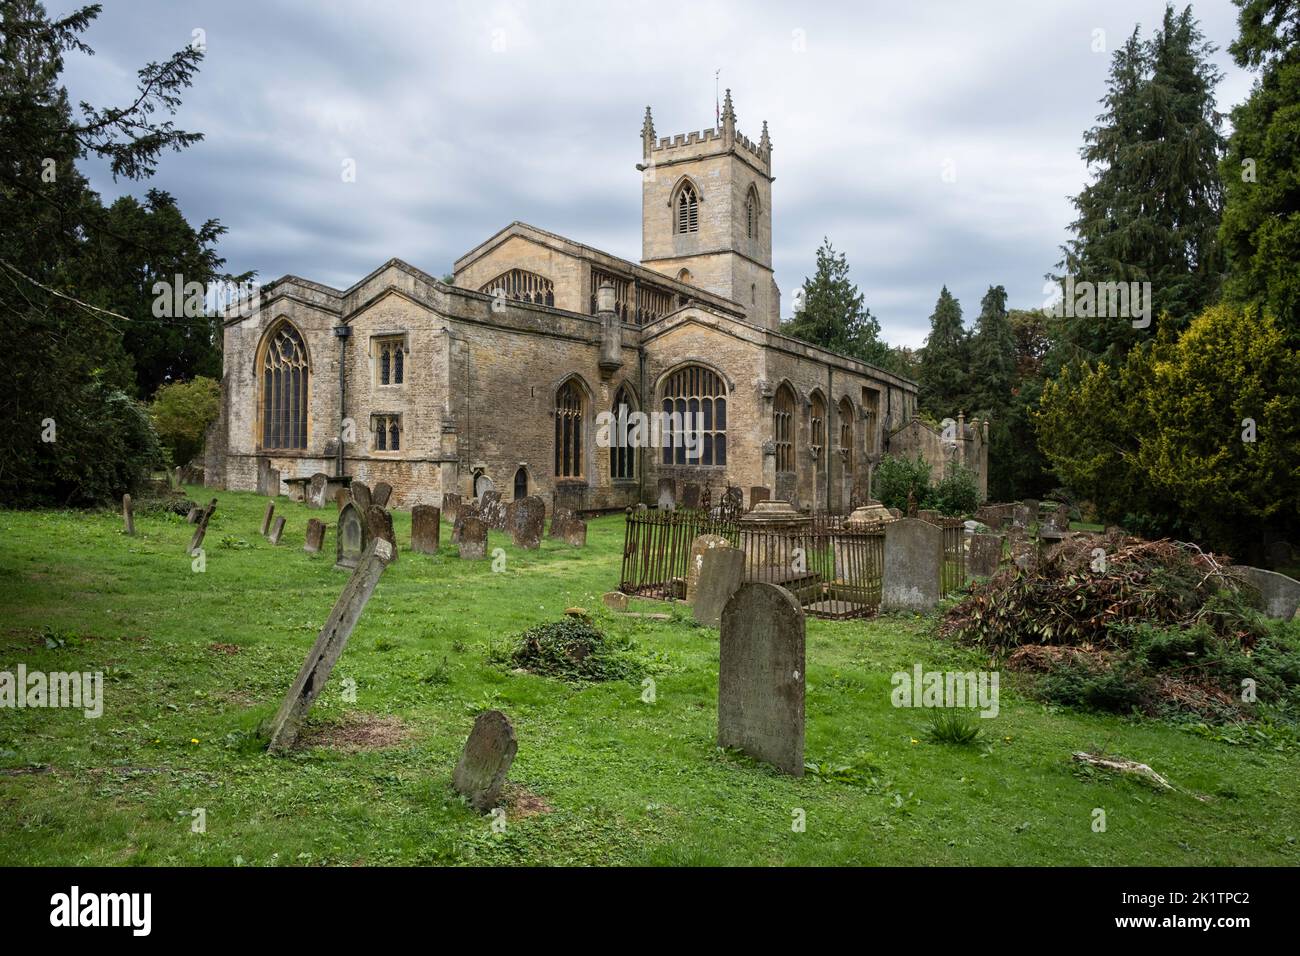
(957,493)
(572,649)
(953,728)
(895,477)
(182,412)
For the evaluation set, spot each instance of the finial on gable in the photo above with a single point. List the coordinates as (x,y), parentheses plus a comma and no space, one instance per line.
(728,111)
(647,134)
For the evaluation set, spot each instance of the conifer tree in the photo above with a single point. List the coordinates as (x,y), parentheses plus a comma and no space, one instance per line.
(833,314)
(945,361)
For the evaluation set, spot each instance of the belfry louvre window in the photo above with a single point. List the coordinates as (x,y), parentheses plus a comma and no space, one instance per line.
(390,358)
(523,286)
(622,455)
(783,428)
(817,440)
(569,414)
(622,292)
(285,377)
(751,215)
(688,209)
(387,431)
(701,394)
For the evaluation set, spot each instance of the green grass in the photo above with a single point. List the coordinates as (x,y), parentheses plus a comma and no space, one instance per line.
(626,782)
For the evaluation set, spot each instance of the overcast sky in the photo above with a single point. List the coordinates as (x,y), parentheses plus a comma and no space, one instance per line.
(462,117)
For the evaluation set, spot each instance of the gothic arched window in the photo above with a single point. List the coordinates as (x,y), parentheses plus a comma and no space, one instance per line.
(285,377)
(817,433)
(751,213)
(570,408)
(695,396)
(846,434)
(783,428)
(688,209)
(622,455)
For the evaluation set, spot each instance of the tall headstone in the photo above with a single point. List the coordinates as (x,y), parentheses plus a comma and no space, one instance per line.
(690,496)
(267,515)
(490,750)
(316,489)
(197,540)
(721,574)
(426,529)
(467,509)
(913,573)
(360,492)
(315,536)
(559,516)
(451,506)
(268,478)
(381,493)
(524,518)
(380,525)
(352,537)
(341,497)
(277,530)
(493,510)
(128,515)
(472,543)
(761,676)
(705,542)
(985,555)
(667,494)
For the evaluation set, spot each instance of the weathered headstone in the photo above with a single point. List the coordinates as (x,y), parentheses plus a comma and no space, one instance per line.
(571,530)
(341,497)
(277,529)
(558,517)
(268,478)
(472,542)
(381,493)
(667,494)
(467,509)
(451,506)
(331,640)
(913,572)
(1022,516)
(202,526)
(193,516)
(1278,595)
(315,492)
(315,536)
(493,510)
(380,525)
(360,492)
(761,675)
(722,571)
(690,496)
(615,600)
(353,537)
(128,515)
(484,763)
(758,493)
(426,529)
(524,518)
(705,542)
(985,555)
(267,515)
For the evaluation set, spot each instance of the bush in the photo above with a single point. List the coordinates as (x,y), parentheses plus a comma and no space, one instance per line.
(957,493)
(897,477)
(572,649)
(182,412)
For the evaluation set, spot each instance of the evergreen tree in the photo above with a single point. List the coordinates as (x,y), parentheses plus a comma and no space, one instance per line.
(833,314)
(1261,170)
(992,355)
(1152,212)
(945,361)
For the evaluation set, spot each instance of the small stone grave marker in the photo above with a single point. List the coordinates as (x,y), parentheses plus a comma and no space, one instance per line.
(484,763)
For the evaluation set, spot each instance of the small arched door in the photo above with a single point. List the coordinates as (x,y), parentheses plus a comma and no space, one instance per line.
(521,484)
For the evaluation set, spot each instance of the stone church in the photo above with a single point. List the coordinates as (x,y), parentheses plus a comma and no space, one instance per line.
(498,379)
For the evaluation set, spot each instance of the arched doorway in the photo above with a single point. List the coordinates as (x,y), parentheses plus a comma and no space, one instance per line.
(521,484)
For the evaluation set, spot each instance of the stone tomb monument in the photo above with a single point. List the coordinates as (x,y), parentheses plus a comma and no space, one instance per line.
(761,676)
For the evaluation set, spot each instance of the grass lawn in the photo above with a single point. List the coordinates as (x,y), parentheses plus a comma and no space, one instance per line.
(193,662)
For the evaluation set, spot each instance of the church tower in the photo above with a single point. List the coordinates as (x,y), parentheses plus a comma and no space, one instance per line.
(706,213)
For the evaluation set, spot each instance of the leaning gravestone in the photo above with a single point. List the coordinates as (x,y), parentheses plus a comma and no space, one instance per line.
(426,529)
(381,493)
(380,525)
(913,572)
(484,763)
(721,573)
(524,518)
(277,530)
(202,529)
(451,506)
(128,515)
(690,496)
(705,542)
(266,518)
(360,492)
(761,675)
(985,555)
(331,640)
(472,542)
(353,538)
(193,516)
(667,494)
(316,489)
(315,536)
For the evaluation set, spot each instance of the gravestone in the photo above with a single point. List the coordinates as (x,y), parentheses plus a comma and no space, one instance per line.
(913,572)
(761,675)
(615,600)
(985,555)
(705,542)
(316,489)
(468,509)
(193,516)
(1021,516)
(277,529)
(451,506)
(472,542)
(331,640)
(202,529)
(690,496)
(381,493)
(558,517)
(315,536)
(571,530)
(1278,595)
(266,518)
(667,494)
(353,538)
(426,529)
(268,478)
(380,525)
(490,750)
(493,511)
(1024,552)
(524,519)
(758,493)
(341,497)
(721,573)
(360,492)
(128,515)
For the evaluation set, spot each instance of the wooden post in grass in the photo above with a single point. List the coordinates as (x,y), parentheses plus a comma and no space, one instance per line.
(202,529)
(128,515)
(329,645)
